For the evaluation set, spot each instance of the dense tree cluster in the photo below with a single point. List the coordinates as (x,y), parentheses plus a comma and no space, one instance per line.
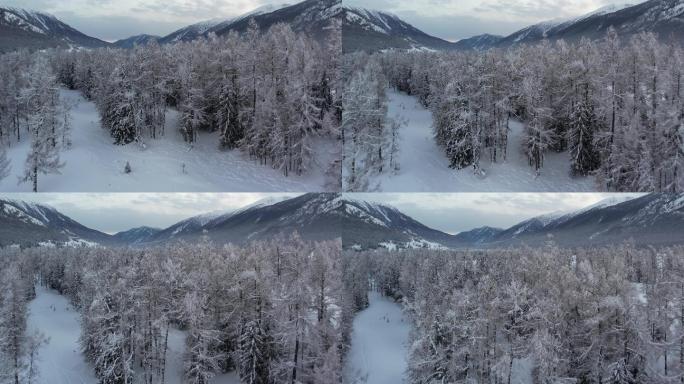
(616,105)
(275,312)
(602,315)
(369,136)
(30,109)
(270,93)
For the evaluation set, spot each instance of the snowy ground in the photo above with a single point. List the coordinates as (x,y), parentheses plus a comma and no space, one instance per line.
(60,360)
(425,168)
(94,164)
(378,344)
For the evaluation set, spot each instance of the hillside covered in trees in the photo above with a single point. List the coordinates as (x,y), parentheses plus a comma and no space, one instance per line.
(271,95)
(547,314)
(270,312)
(613,106)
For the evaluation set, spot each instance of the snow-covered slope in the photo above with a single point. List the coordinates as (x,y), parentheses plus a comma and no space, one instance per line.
(21,28)
(24,223)
(308,16)
(424,167)
(478,43)
(664,17)
(647,219)
(312,17)
(138,40)
(480,235)
(165,164)
(370,30)
(136,235)
(374,30)
(192,32)
(314,216)
(379,343)
(263,220)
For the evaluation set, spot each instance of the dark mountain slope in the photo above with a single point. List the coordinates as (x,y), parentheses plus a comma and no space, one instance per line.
(20,28)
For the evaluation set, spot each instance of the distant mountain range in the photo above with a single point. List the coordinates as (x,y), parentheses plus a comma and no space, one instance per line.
(369,30)
(21,28)
(655,219)
(373,30)
(132,41)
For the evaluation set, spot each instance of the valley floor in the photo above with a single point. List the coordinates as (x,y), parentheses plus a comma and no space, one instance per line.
(378,344)
(61,361)
(167,164)
(425,168)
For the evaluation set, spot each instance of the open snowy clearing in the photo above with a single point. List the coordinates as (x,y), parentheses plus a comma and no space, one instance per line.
(425,168)
(61,361)
(167,164)
(378,344)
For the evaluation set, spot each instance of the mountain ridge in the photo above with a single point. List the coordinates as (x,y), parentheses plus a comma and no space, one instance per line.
(653,219)
(35,30)
(663,17)
(23,28)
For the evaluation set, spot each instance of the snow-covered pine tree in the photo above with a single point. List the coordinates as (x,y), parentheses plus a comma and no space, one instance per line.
(13,313)
(41,97)
(118,106)
(5,164)
(584,125)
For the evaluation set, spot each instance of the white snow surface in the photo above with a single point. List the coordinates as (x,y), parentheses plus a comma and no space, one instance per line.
(424,166)
(95,164)
(60,360)
(378,344)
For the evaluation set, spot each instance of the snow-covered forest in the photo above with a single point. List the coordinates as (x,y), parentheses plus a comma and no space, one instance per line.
(614,107)
(270,312)
(536,315)
(272,95)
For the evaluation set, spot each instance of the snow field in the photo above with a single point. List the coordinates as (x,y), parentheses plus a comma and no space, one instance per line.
(61,361)
(425,168)
(166,164)
(379,343)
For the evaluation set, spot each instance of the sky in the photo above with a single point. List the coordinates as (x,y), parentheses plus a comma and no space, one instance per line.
(458,19)
(115,212)
(448,212)
(111,20)
(457,212)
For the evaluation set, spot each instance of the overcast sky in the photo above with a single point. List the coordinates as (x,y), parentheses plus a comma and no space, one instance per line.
(458,212)
(457,19)
(114,212)
(111,20)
